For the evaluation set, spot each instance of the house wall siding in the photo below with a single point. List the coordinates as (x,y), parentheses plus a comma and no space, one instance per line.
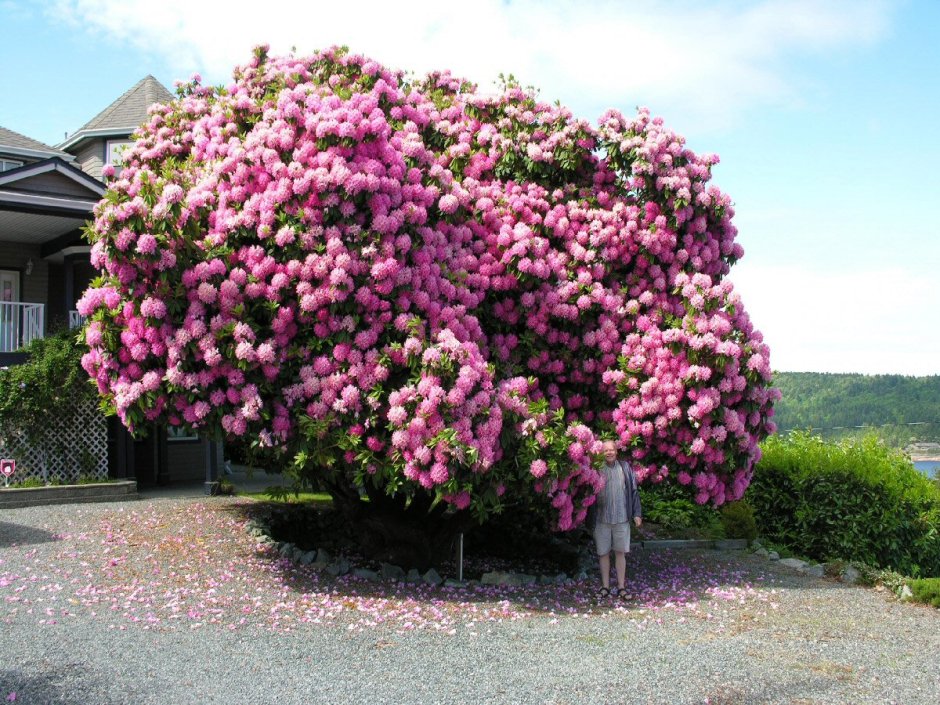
(50,182)
(56,315)
(33,287)
(90,158)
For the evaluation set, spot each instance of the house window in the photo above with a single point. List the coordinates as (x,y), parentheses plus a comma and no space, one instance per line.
(115,154)
(7,164)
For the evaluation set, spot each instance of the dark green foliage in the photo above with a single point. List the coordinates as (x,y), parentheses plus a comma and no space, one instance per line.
(28,482)
(855,500)
(672,507)
(737,518)
(926,590)
(45,387)
(899,409)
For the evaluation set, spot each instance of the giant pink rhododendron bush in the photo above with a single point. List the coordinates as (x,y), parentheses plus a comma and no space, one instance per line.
(426,291)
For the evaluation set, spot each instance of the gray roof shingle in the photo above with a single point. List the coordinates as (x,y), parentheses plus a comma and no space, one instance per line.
(130,110)
(9,138)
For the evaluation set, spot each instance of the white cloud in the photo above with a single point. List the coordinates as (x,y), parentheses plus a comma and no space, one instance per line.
(708,61)
(873,321)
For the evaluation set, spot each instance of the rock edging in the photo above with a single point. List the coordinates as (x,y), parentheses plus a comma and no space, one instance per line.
(322,560)
(835,569)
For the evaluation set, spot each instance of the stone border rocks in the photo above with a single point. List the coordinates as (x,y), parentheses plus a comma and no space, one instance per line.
(837,570)
(321,560)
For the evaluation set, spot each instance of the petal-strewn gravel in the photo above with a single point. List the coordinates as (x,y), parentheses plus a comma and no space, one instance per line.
(172,601)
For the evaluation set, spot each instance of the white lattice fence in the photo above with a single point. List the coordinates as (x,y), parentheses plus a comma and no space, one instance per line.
(75,446)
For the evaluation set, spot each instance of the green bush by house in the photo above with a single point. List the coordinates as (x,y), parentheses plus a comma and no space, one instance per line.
(854,500)
(44,388)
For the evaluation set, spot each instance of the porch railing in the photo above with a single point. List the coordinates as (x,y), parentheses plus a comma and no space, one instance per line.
(76,320)
(20,324)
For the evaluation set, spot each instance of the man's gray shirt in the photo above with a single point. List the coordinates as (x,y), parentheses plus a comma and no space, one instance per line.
(612,504)
(619,501)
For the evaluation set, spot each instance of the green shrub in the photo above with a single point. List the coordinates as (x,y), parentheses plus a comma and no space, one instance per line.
(926,590)
(855,500)
(738,521)
(672,506)
(226,488)
(673,513)
(84,479)
(871,576)
(47,386)
(28,482)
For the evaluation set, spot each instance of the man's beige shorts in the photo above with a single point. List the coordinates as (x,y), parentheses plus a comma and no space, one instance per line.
(616,536)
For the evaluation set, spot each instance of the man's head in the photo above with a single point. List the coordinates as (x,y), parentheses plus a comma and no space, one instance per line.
(609,449)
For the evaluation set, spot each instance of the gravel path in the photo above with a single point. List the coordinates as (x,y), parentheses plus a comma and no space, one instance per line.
(171,601)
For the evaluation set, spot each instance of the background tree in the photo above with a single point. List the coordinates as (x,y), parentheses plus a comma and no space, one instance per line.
(437,296)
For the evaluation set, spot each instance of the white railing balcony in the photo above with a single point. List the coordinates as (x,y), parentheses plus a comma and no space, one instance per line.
(20,324)
(76,320)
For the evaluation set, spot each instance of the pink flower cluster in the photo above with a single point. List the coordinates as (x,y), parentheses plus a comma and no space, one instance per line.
(446,426)
(692,384)
(460,290)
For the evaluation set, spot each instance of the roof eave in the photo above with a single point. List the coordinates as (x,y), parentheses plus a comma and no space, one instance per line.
(45,205)
(82,135)
(35,153)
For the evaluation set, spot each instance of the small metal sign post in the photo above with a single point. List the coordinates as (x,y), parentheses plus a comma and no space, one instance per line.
(7,468)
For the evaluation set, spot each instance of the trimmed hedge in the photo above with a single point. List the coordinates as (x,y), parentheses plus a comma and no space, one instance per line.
(855,500)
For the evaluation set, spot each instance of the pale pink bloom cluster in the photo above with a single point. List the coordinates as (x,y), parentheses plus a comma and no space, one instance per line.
(463,291)
(696,378)
(447,424)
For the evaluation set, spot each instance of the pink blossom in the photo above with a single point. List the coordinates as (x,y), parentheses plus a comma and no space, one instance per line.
(152,308)
(538,468)
(146,244)
(206,293)
(448,203)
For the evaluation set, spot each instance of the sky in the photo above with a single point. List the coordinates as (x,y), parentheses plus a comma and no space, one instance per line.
(824,113)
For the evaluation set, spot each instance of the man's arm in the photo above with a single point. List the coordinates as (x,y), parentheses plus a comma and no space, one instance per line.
(635,498)
(633,493)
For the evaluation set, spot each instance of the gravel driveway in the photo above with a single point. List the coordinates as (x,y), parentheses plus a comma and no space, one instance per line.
(171,601)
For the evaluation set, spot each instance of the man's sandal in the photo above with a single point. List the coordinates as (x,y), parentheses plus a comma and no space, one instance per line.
(603,592)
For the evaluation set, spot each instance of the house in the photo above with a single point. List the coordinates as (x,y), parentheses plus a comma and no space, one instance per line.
(45,200)
(46,196)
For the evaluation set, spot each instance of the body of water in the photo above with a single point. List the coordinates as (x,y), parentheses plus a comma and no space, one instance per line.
(928,467)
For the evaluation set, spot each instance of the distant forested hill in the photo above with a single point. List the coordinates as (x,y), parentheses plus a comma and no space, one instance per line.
(834,404)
